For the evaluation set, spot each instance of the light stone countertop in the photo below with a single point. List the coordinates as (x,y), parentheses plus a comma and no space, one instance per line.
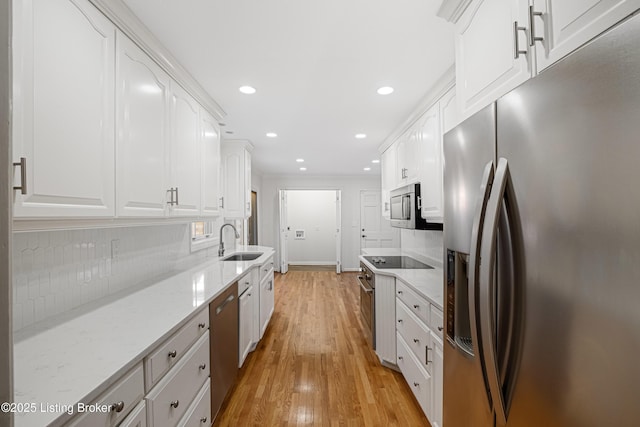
(428,283)
(78,359)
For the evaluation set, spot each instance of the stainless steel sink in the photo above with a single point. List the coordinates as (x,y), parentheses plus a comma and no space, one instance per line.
(245,256)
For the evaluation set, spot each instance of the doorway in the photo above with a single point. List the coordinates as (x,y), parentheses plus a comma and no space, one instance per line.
(253,220)
(375,230)
(310,228)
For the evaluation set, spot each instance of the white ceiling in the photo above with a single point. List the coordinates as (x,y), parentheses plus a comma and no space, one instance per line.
(316,66)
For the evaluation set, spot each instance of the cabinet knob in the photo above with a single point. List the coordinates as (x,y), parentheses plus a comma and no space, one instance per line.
(415,384)
(399,292)
(203,420)
(399,320)
(172,354)
(400,358)
(249,295)
(440,328)
(416,306)
(416,340)
(203,366)
(201,325)
(117,407)
(175,404)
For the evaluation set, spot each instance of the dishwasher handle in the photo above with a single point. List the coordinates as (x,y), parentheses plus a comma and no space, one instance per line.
(224,304)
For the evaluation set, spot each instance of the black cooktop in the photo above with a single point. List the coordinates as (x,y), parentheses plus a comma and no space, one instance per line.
(396,262)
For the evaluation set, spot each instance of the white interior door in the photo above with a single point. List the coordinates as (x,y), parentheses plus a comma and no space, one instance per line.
(284,255)
(375,231)
(339,230)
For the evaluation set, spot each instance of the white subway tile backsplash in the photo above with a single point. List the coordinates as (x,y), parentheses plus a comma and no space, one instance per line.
(57,271)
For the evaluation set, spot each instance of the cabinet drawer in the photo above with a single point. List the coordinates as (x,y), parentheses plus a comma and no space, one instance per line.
(125,393)
(416,304)
(169,353)
(437,322)
(244,282)
(414,332)
(266,268)
(199,413)
(419,381)
(169,400)
(137,417)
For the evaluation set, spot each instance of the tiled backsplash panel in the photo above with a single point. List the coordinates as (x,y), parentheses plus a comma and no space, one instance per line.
(56,271)
(426,243)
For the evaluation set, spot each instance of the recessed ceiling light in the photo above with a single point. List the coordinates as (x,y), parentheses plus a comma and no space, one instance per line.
(248,90)
(299,160)
(303,169)
(361,135)
(375,161)
(271,134)
(385,90)
(367,169)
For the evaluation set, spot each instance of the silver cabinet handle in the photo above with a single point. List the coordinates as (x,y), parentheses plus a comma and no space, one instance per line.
(203,366)
(177,203)
(23,175)
(172,354)
(532,26)
(516,44)
(222,202)
(117,407)
(201,325)
(171,191)
(426,355)
(270,285)
(224,303)
(175,404)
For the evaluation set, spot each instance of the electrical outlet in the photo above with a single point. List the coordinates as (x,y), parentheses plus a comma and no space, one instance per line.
(115,248)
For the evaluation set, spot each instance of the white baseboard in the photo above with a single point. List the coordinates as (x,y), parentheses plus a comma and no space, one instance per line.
(312,263)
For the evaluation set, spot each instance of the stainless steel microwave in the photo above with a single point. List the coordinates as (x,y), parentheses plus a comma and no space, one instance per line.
(405,205)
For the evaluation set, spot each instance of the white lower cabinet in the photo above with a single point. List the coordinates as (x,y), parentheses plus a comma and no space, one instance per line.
(137,417)
(419,345)
(120,399)
(169,399)
(418,379)
(199,413)
(267,300)
(246,310)
(385,314)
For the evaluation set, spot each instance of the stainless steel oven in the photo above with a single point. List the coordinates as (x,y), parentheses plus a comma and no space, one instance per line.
(368,302)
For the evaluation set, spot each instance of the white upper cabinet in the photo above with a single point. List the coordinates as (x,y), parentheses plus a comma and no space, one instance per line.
(236,156)
(63,98)
(407,160)
(211,167)
(142,116)
(487,37)
(561,26)
(430,166)
(184,193)
(449,110)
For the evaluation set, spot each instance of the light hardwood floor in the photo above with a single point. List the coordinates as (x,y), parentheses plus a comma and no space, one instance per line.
(314,367)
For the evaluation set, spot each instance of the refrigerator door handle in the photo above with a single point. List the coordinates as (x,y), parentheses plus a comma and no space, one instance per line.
(474,264)
(486,302)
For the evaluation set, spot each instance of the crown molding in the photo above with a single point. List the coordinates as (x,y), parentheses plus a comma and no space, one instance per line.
(452,10)
(120,14)
(437,91)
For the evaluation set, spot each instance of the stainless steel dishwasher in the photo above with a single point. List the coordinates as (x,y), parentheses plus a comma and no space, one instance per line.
(223,314)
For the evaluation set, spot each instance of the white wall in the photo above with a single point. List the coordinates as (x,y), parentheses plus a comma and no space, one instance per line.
(350,186)
(424,244)
(314,212)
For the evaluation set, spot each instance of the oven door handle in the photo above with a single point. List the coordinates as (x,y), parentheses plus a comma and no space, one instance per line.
(364,288)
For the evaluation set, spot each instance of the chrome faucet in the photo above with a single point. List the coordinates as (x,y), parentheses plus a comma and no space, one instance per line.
(221,248)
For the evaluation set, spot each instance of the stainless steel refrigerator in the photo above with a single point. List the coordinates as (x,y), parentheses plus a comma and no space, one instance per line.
(542,241)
